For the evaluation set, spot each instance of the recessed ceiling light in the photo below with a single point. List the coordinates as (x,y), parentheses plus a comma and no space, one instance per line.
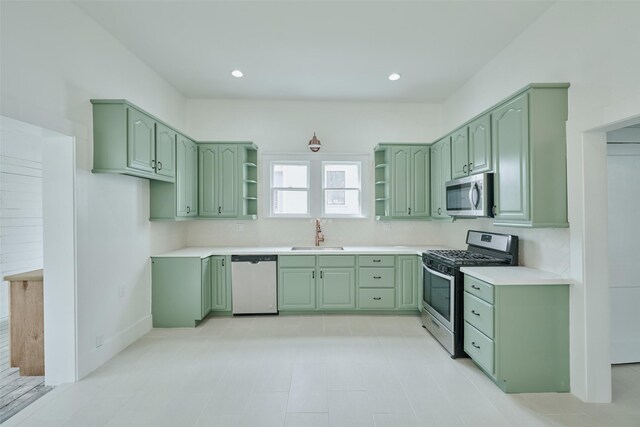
(237,73)
(394,76)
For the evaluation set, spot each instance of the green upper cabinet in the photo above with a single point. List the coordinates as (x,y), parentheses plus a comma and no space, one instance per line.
(440,174)
(228,179)
(459,153)
(129,141)
(529,141)
(407,183)
(179,200)
(471,148)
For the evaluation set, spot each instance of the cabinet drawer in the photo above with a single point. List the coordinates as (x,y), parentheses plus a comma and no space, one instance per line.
(297,261)
(377,260)
(376,298)
(336,261)
(482,290)
(372,277)
(479,314)
(479,347)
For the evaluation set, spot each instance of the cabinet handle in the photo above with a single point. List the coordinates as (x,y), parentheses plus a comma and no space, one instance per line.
(470,166)
(464,168)
(321,274)
(159,166)
(475,287)
(377,260)
(313,274)
(377,277)
(473,343)
(223,262)
(493,210)
(475,312)
(439,211)
(409,211)
(153,163)
(219,210)
(188,210)
(377,298)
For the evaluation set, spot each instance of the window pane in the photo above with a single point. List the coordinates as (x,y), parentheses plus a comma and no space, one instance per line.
(289,202)
(290,176)
(341,175)
(342,202)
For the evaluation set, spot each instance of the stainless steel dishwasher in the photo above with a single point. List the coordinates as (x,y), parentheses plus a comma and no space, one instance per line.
(254,284)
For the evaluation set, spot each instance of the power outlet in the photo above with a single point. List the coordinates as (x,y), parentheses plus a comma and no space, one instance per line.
(121,291)
(99,340)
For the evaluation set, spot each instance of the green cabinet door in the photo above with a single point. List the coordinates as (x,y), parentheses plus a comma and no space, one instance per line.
(445,175)
(228,181)
(208,180)
(191,189)
(337,288)
(420,201)
(436,180)
(480,145)
(165,163)
(183,173)
(206,286)
(400,181)
(510,125)
(221,285)
(459,153)
(296,289)
(407,272)
(141,141)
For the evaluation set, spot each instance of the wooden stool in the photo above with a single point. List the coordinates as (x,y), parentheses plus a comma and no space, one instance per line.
(26,317)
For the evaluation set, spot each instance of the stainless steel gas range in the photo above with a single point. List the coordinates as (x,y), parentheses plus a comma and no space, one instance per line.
(443,283)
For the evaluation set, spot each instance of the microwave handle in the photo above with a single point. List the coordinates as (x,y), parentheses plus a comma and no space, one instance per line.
(474,195)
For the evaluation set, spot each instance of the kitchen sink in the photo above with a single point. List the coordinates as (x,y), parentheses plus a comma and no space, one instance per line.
(317,248)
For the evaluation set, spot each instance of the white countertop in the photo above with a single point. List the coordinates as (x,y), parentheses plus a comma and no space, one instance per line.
(206,251)
(515,276)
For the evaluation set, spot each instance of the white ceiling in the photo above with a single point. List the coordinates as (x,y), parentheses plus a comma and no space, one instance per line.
(316,50)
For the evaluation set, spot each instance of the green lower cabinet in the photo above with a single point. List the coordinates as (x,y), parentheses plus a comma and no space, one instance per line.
(519,334)
(296,289)
(206,286)
(337,288)
(178,286)
(407,273)
(220,284)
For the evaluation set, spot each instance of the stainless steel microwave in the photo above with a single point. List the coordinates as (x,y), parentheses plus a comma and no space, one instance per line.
(471,196)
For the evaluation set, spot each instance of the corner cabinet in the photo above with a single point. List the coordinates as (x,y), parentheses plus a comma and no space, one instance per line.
(402,181)
(440,174)
(180,291)
(529,140)
(179,200)
(518,334)
(227,180)
(129,141)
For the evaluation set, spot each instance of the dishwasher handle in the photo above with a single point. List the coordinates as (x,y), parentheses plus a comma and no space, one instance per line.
(254,259)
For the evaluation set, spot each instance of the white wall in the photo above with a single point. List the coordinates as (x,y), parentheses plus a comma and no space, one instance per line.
(280,126)
(54,59)
(594,46)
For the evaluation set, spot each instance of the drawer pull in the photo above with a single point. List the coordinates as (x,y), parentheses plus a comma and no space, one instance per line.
(377,277)
(473,343)
(477,288)
(475,312)
(377,260)
(377,298)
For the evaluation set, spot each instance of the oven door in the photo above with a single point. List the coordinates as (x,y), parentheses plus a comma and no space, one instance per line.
(437,296)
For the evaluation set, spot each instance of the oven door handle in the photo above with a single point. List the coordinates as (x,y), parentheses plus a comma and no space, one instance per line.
(437,273)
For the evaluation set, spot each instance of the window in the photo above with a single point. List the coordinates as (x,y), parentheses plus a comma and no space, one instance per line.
(307,186)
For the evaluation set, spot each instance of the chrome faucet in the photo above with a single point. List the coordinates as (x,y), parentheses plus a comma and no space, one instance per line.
(319,235)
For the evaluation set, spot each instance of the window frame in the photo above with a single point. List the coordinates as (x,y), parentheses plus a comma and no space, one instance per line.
(315,192)
(324,189)
(273,189)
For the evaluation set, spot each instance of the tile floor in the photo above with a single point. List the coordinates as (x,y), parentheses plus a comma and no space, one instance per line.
(309,371)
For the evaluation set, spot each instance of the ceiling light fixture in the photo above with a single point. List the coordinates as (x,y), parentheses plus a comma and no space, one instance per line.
(237,73)
(394,76)
(314,144)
